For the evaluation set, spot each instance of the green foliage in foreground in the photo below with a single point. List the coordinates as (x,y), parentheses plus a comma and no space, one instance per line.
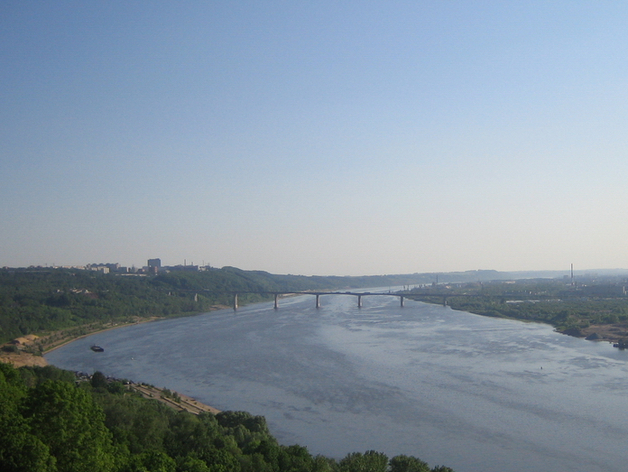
(50,424)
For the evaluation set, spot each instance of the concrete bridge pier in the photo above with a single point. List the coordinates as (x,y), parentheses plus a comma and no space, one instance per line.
(359,301)
(276,301)
(235,302)
(318,301)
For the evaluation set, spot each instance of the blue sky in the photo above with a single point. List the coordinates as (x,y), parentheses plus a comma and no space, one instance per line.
(341,138)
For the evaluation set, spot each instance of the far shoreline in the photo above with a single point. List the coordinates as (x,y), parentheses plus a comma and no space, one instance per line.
(185,403)
(101,330)
(126,325)
(47,343)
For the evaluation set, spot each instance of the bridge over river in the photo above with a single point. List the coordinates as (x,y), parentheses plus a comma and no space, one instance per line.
(401,295)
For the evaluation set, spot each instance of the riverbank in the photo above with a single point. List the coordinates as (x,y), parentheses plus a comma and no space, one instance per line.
(25,358)
(30,352)
(612,333)
(174,400)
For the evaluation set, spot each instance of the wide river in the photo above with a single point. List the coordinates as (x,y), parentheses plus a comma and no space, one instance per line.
(477,394)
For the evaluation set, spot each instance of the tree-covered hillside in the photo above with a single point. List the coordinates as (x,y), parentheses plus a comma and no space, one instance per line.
(35,301)
(40,300)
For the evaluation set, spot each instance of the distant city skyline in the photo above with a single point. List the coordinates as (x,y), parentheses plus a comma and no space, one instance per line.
(318,138)
(155,265)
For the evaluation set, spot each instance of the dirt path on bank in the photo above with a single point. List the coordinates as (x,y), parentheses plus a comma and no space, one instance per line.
(178,402)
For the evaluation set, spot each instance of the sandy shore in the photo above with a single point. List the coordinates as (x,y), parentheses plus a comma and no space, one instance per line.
(47,342)
(611,333)
(21,359)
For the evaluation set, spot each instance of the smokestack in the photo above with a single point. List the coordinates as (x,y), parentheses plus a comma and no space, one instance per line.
(572,274)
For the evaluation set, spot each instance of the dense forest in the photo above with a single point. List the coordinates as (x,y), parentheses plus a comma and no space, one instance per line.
(50,422)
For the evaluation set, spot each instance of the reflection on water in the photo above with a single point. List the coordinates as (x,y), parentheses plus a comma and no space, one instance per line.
(474,393)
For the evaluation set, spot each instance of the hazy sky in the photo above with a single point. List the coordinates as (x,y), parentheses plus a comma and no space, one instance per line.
(305,137)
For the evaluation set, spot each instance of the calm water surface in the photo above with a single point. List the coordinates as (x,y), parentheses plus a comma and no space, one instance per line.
(474,393)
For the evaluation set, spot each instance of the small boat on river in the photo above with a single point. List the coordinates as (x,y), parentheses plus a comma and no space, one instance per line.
(97,349)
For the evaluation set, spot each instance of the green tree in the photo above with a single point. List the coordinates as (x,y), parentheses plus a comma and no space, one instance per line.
(138,423)
(191,464)
(370,461)
(98,380)
(323,464)
(20,451)
(152,461)
(188,433)
(231,419)
(295,459)
(220,460)
(404,463)
(66,419)
(37,375)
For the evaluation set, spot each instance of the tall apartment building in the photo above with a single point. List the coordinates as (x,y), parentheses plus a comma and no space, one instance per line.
(154,263)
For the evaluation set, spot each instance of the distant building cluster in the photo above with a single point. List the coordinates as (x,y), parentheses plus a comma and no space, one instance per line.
(152,267)
(107,268)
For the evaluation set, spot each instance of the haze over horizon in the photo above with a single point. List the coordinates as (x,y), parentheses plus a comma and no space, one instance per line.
(319,138)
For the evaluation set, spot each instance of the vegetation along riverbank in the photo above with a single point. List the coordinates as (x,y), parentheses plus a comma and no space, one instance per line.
(592,307)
